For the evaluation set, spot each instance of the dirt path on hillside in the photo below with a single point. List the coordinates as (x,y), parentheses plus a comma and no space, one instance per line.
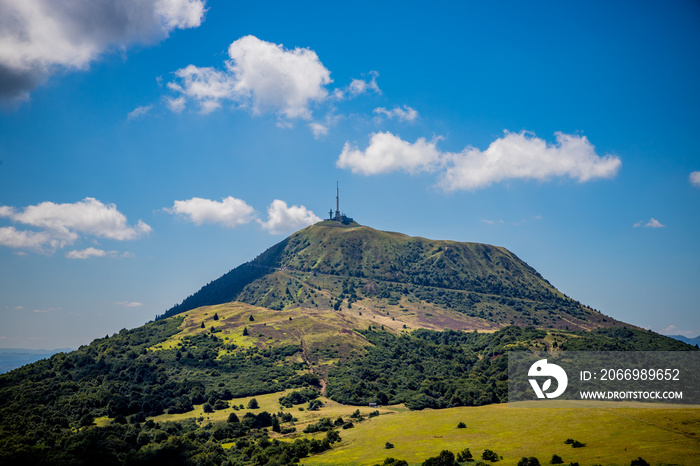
(311,368)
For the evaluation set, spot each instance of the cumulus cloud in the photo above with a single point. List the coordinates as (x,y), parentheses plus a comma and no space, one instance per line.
(652,223)
(282,218)
(260,75)
(387,152)
(402,114)
(26,239)
(62,224)
(232,212)
(41,37)
(695,178)
(139,112)
(514,156)
(229,212)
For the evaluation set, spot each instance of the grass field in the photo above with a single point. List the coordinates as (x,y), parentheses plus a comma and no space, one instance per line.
(613,435)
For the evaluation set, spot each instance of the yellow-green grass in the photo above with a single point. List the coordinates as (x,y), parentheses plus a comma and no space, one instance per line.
(613,436)
(270,403)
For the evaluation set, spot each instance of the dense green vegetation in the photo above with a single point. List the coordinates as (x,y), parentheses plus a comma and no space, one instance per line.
(47,407)
(428,369)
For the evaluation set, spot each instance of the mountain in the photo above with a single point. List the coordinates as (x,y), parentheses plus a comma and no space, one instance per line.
(690,341)
(331,319)
(429,283)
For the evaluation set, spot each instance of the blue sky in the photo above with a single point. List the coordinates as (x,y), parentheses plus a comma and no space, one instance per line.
(147,148)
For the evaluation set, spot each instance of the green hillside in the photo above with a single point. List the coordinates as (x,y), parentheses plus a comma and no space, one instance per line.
(271,363)
(359,266)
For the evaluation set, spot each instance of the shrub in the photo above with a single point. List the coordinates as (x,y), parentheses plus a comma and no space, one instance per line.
(464,455)
(489,455)
(639,462)
(314,405)
(556,459)
(461,425)
(388,445)
(393,462)
(531,461)
(445,458)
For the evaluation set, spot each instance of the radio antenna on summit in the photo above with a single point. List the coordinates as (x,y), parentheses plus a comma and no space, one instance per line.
(337,200)
(338,217)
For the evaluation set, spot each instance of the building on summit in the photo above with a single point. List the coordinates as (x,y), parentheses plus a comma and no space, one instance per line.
(338,217)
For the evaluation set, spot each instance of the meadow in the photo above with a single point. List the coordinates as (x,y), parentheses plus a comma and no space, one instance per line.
(612,435)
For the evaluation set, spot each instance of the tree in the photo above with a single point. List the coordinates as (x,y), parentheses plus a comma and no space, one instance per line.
(251,318)
(556,459)
(464,455)
(388,445)
(207,408)
(245,331)
(216,316)
(253,404)
(489,455)
(233,418)
(461,425)
(531,461)
(445,458)
(202,326)
(639,462)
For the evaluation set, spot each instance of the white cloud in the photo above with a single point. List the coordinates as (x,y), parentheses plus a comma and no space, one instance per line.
(207,85)
(358,87)
(176,105)
(318,129)
(282,218)
(41,37)
(261,75)
(695,178)
(63,224)
(524,156)
(387,153)
(402,114)
(230,212)
(514,156)
(652,223)
(128,304)
(139,111)
(26,239)
(86,253)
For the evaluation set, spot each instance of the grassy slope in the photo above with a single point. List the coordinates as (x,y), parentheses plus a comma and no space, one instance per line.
(613,436)
(487,285)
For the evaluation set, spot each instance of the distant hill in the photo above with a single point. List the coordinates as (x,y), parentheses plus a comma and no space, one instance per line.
(12,358)
(690,341)
(487,287)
